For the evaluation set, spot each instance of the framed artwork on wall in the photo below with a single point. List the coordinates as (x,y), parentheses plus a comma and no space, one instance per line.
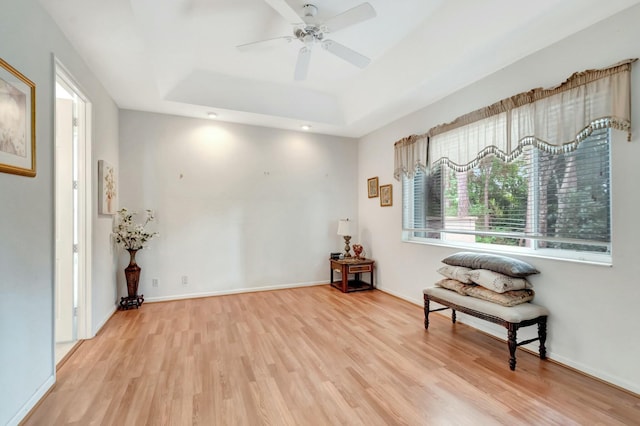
(386,195)
(107,188)
(17,122)
(372,187)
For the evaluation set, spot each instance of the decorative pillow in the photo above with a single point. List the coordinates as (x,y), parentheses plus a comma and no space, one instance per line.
(508,298)
(454,285)
(496,281)
(493,262)
(458,273)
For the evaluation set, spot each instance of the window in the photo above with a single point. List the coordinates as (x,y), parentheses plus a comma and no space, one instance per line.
(554,200)
(529,173)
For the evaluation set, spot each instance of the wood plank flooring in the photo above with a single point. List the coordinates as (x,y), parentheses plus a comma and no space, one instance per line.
(313,356)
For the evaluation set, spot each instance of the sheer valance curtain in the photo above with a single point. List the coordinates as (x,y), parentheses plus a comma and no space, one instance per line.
(554,119)
(410,156)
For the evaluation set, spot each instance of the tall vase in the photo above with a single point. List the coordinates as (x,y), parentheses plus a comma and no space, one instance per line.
(132,274)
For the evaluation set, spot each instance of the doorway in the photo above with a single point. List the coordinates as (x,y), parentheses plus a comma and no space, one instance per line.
(72,210)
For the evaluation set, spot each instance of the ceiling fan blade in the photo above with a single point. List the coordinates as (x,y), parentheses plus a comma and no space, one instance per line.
(345,53)
(271,42)
(287,12)
(302,64)
(350,17)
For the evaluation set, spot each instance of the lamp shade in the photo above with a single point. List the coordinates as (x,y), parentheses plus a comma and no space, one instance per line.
(346,227)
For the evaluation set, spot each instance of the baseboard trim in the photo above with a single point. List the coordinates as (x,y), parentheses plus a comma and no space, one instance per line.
(615,382)
(231,291)
(402,296)
(33,402)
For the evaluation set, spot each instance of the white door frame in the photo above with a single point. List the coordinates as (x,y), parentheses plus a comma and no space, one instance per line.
(85,211)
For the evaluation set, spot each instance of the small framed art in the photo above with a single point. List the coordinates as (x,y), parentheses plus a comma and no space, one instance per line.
(17,122)
(107,187)
(372,187)
(386,195)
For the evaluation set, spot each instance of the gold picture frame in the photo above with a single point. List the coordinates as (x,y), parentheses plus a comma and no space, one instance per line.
(372,187)
(386,195)
(17,122)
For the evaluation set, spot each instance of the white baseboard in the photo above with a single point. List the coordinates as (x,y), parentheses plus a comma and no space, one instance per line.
(231,291)
(418,302)
(616,381)
(35,398)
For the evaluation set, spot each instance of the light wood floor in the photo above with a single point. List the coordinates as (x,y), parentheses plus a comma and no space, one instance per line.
(313,356)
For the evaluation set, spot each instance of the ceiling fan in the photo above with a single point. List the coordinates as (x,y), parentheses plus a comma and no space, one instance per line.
(311,33)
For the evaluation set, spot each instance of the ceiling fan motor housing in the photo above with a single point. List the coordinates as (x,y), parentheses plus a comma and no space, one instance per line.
(308,34)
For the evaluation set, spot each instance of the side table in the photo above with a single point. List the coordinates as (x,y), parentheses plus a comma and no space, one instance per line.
(355,267)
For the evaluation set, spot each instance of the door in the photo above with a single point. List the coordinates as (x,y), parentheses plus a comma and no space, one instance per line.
(65,229)
(73,173)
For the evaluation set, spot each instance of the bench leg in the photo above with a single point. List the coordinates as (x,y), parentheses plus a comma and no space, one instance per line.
(513,344)
(426,313)
(542,335)
(453,316)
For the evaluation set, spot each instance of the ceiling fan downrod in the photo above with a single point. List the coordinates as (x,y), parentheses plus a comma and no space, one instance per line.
(310,10)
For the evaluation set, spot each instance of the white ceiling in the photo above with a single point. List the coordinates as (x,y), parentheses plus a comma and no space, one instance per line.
(180,57)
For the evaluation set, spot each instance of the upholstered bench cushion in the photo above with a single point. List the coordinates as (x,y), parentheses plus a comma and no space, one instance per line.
(513,314)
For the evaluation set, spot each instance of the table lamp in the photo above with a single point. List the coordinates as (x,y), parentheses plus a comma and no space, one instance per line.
(346,229)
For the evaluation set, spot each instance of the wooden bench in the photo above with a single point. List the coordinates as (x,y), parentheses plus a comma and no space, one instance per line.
(512,318)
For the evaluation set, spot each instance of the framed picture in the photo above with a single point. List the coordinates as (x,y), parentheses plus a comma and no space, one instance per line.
(17,122)
(372,187)
(107,188)
(386,195)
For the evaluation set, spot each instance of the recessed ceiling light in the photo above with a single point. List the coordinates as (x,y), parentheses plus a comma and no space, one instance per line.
(305,127)
(212,115)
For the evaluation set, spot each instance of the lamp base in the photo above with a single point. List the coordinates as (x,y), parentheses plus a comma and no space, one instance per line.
(347,249)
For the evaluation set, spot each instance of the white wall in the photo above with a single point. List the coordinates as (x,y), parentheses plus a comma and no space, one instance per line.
(28,37)
(594,318)
(104,259)
(238,207)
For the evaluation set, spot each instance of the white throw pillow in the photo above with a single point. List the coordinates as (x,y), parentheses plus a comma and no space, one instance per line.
(458,273)
(496,281)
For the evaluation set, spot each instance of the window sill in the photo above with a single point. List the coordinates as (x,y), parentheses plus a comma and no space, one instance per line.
(564,256)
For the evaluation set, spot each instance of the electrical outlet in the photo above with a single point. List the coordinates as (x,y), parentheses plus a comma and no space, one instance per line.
(185,280)
(154,282)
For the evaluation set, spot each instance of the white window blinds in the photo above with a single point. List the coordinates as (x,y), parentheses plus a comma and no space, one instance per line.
(537,200)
